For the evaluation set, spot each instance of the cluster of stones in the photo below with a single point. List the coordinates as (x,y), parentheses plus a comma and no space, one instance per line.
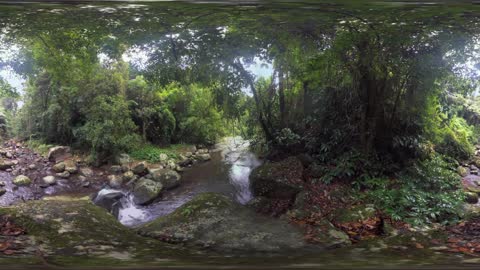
(145,181)
(469,171)
(8,163)
(65,167)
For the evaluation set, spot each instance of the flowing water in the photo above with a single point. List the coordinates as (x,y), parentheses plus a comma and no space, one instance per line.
(227,172)
(201,40)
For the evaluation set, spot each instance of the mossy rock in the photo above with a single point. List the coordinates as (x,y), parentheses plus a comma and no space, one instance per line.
(216,222)
(74,231)
(354,214)
(22,180)
(282,179)
(462,171)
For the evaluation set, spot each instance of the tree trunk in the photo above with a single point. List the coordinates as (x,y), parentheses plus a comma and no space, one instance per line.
(281,98)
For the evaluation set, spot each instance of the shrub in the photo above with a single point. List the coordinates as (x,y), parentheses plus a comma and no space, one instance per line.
(429,191)
(108,129)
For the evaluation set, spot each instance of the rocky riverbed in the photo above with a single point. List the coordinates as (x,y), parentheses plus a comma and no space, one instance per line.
(227,210)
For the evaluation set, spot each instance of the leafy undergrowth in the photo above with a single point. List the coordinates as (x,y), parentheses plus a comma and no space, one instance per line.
(151,153)
(39,146)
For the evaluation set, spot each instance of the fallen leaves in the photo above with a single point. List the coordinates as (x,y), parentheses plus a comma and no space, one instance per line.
(8,232)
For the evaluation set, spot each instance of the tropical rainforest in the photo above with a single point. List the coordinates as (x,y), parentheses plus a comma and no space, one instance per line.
(363,119)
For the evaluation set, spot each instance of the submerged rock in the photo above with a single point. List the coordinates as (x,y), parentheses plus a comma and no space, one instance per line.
(22,180)
(278,179)
(145,191)
(215,221)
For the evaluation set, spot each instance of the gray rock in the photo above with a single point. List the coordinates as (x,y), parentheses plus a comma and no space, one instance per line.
(216,222)
(6,164)
(32,167)
(63,175)
(59,167)
(127,176)
(58,153)
(203,157)
(71,166)
(168,178)
(87,172)
(109,199)
(2,191)
(116,169)
(49,180)
(22,180)
(202,151)
(2,183)
(140,169)
(115,181)
(145,191)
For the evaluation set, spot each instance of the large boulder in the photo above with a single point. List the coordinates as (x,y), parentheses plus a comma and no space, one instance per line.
(214,221)
(71,232)
(109,199)
(22,180)
(58,153)
(471,183)
(278,179)
(145,191)
(168,178)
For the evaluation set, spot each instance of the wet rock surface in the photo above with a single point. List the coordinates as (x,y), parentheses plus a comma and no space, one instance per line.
(215,221)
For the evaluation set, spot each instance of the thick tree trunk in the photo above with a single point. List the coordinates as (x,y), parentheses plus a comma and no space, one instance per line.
(281,98)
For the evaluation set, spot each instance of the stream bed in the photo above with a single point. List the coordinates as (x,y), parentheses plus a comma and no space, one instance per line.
(227,173)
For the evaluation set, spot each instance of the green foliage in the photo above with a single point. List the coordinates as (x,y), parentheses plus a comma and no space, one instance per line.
(39,146)
(151,153)
(197,118)
(429,191)
(108,129)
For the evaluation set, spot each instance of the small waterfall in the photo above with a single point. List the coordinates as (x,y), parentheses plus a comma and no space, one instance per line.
(130,213)
(235,152)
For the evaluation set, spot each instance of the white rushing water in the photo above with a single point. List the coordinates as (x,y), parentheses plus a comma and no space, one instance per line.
(235,152)
(130,213)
